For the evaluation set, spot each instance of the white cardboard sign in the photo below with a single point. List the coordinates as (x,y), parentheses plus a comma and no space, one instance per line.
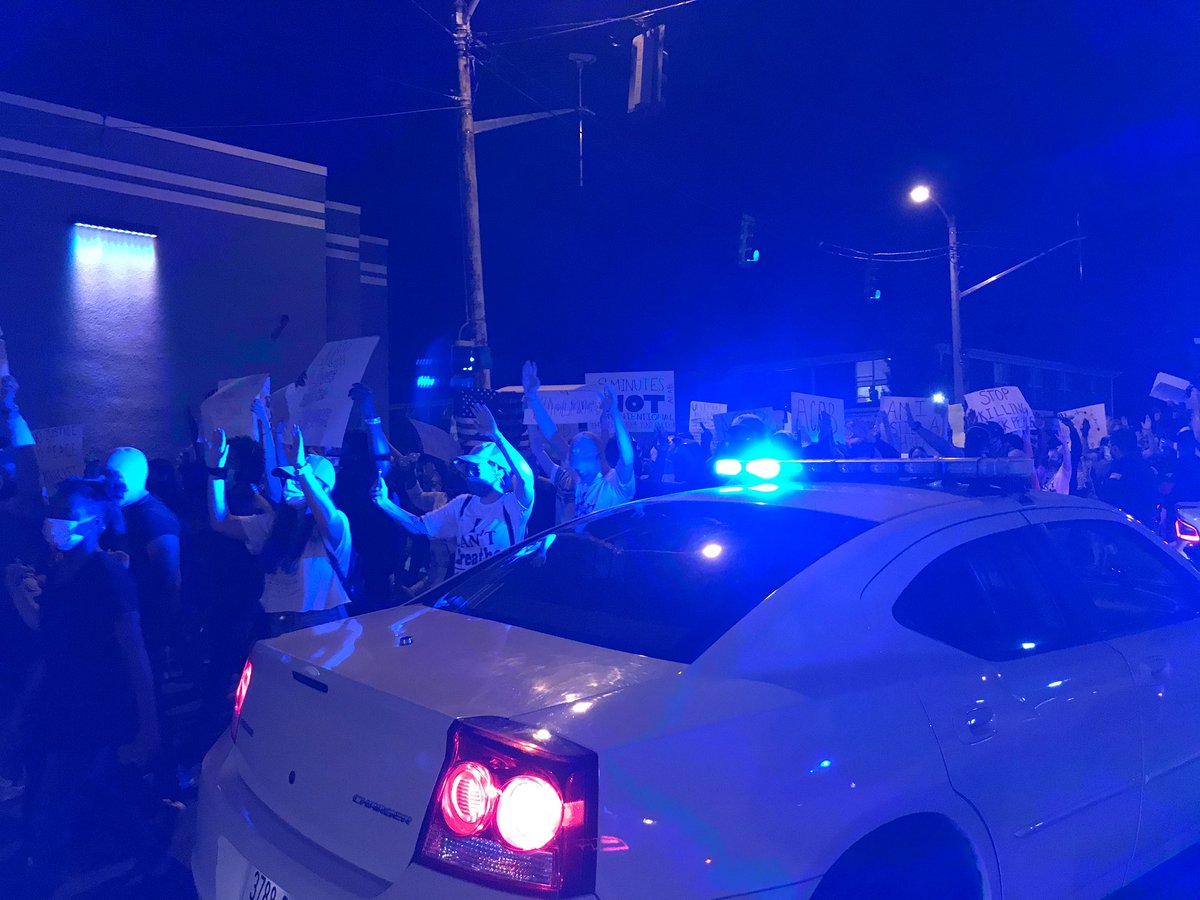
(1170,388)
(646,399)
(59,453)
(230,407)
(322,409)
(1097,418)
(569,406)
(701,413)
(925,412)
(806,414)
(1004,405)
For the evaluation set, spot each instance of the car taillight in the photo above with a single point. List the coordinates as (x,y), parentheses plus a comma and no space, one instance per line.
(1186,531)
(515,808)
(239,697)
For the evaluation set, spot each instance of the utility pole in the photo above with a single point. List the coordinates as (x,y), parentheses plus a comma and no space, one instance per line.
(469,190)
(955,314)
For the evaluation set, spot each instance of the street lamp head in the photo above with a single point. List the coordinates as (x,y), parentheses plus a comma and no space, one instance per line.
(919,194)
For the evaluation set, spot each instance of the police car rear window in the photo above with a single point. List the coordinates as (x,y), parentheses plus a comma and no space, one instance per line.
(664,579)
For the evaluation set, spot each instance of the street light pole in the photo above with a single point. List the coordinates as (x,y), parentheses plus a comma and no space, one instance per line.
(920,194)
(469,188)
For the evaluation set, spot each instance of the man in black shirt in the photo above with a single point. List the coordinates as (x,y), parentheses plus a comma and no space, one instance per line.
(152,542)
(93,706)
(1131,484)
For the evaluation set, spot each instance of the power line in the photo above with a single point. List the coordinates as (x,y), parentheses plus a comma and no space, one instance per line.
(432,18)
(572,27)
(887,256)
(387,115)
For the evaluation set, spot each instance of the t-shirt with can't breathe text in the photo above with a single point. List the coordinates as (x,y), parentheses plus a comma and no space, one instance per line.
(479,530)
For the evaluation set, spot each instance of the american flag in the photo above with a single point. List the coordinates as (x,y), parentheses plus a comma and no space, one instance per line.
(506,406)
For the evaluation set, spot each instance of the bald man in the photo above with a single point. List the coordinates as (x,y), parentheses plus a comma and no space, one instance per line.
(152,541)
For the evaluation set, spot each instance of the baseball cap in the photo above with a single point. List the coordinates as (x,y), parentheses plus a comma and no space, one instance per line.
(321,468)
(485,454)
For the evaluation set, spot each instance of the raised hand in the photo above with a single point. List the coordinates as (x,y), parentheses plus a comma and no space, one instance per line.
(293,453)
(485,420)
(364,397)
(529,377)
(608,399)
(216,449)
(909,417)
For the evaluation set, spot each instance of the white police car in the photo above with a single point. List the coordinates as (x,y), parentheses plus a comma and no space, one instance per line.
(779,688)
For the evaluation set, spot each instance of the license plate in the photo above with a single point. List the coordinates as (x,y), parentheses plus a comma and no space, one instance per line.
(260,887)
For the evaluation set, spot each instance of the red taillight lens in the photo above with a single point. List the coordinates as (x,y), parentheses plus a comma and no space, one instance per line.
(1186,531)
(239,696)
(514,808)
(468,795)
(529,813)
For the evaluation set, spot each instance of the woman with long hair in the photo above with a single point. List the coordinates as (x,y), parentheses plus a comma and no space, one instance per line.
(302,542)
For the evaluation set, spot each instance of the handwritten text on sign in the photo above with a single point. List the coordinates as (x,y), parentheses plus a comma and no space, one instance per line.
(1004,405)
(579,406)
(925,413)
(59,453)
(323,408)
(646,399)
(806,414)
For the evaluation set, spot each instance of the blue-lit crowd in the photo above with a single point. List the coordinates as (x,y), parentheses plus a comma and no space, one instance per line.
(135,591)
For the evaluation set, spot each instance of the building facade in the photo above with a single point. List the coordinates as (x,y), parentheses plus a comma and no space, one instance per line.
(141,266)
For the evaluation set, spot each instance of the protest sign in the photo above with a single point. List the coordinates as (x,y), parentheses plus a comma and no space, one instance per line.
(925,413)
(806,414)
(1097,418)
(646,399)
(281,403)
(323,406)
(1003,405)
(1170,388)
(700,415)
(436,441)
(59,453)
(230,407)
(722,422)
(568,405)
(958,428)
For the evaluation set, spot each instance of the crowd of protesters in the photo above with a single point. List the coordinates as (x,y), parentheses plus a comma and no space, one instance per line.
(137,590)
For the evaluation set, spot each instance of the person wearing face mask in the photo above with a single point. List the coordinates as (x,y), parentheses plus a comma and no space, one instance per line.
(302,543)
(92,708)
(486,520)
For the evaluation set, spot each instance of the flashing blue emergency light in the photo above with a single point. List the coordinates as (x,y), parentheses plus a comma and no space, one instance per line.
(728,467)
(426,381)
(764,468)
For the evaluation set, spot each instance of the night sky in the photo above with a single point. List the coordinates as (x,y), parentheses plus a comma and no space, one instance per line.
(814,117)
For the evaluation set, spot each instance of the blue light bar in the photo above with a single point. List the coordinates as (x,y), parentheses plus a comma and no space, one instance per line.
(144,234)
(728,467)
(764,468)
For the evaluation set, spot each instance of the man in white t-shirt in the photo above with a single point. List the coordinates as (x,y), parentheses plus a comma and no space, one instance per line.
(488,519)
(594,488)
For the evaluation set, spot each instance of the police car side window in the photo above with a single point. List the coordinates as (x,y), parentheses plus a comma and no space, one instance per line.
(991,597)
(1122,581)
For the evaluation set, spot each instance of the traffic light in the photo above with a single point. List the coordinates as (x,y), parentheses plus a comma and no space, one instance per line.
(871,286)
(747,251)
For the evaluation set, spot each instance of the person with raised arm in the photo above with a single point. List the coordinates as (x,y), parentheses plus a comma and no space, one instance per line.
(488,518)
(302,543)
(593,487)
